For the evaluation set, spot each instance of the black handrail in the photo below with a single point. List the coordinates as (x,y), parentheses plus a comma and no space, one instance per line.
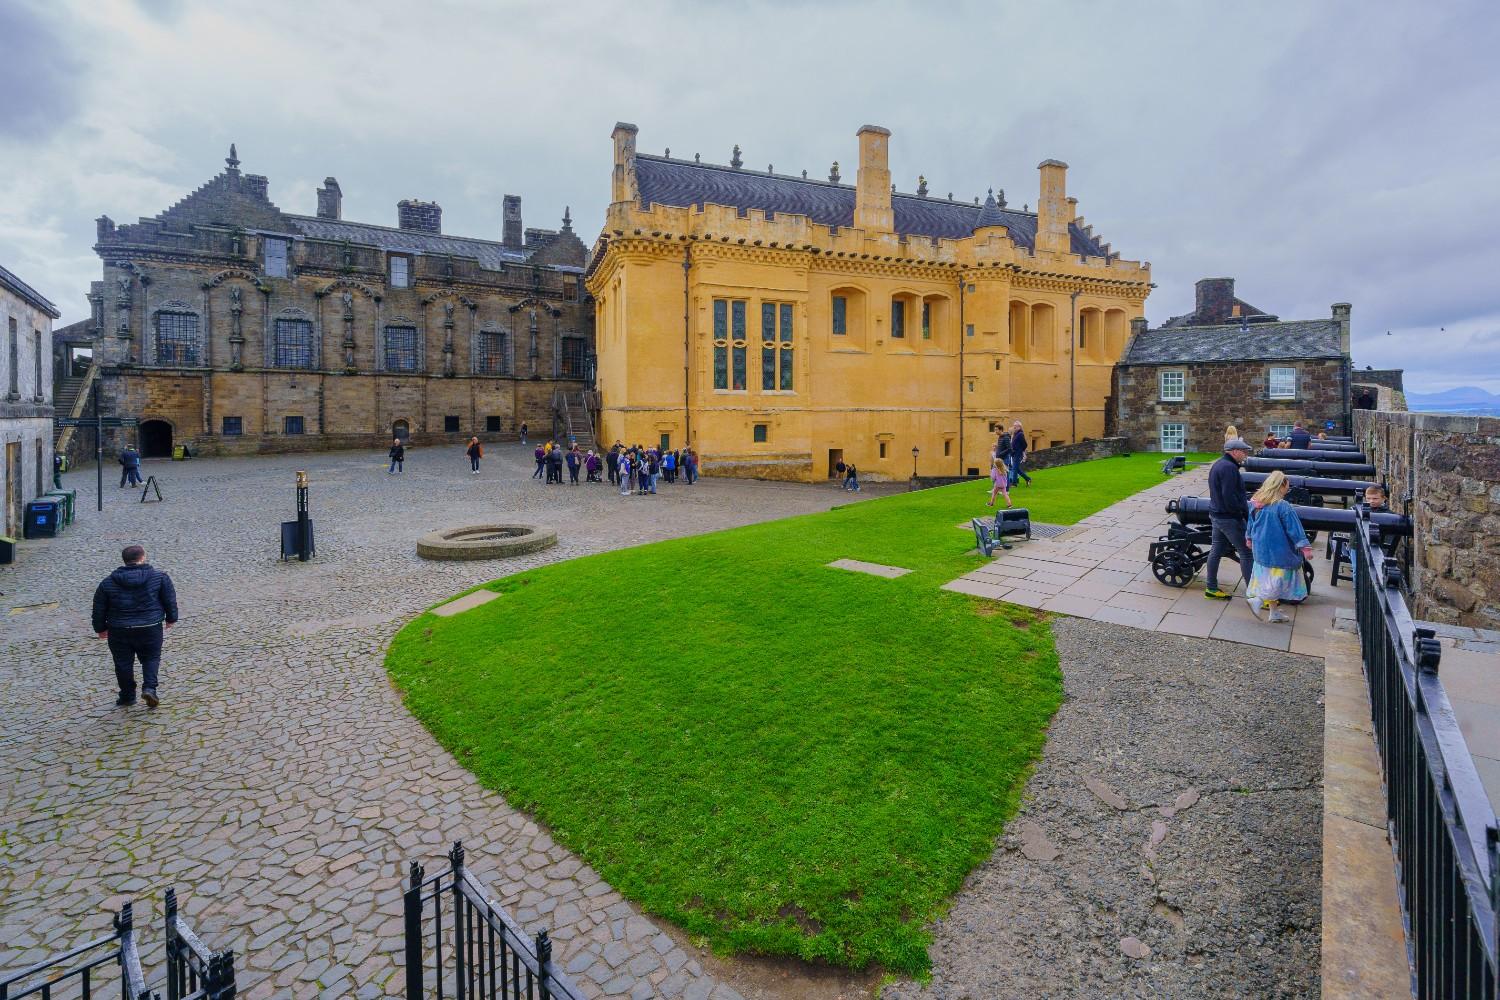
(194,972)
(481,951)
(118,948)
(1442,827)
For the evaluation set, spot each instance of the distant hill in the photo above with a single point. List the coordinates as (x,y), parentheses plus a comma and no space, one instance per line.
(1466,399)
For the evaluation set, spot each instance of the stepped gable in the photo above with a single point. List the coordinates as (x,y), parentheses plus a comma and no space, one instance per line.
(682,184)
(1293,340)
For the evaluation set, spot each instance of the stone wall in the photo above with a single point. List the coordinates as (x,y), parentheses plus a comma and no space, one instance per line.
(1222,393)
(1445,472)
(1047,458)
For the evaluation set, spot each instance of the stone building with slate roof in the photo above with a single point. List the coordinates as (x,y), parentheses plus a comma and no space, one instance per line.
(229,324)
(25,398)
(1178,386)
(779,323)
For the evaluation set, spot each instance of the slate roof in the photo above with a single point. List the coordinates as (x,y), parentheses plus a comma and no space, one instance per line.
(491,255)
(27,294)
(1291,340)
(682,184)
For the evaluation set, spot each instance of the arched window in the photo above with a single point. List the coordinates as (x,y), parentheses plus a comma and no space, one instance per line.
(176,338)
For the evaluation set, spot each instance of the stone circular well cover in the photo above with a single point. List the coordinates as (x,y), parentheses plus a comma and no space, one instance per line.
(486,541)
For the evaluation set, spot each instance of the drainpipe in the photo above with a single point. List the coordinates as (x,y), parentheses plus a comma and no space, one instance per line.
(963,335)
(1073,365)
(687,351)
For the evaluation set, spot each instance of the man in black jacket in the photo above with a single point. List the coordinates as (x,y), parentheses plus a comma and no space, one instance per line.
(1018,454)
(132,608)
(1227,513)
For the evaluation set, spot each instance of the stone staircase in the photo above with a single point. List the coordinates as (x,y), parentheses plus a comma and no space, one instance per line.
(70,397)
(573,418)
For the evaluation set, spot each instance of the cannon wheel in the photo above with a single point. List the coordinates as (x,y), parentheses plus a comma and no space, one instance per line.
(1173,567)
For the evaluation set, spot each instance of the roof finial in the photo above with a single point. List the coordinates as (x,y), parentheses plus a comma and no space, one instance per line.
(804,175)
(833,174)
(1001,200)
(697,157)
(233,158)
(668,153)
(735,160)
(921,186)
(770,168)
(567,219)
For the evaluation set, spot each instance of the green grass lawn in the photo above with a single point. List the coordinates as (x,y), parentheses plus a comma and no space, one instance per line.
(777,756)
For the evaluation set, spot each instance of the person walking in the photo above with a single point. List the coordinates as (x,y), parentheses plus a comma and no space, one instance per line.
(523,432)
(1227,516)
(541,461)
(690,465)
(1300,437)
(130,467)
(1280,544)
(555,464)
(1002,454)
(57,469)
(622,473)
(851,478)
(1018,455)
(133,608)
(397,455)
(475,452)
(999,480)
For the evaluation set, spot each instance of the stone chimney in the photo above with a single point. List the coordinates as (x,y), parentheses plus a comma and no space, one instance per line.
(511,229)
(1215,301)
(330,200)
(1341,312)
(1053,213)
(872,184)
(420,216)
(623,185)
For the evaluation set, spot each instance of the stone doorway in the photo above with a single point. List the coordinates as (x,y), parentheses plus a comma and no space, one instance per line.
(13,489)
(835,456)
(401,429)
(156,439)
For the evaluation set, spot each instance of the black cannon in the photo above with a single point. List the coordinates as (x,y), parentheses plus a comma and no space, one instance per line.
(1313,485)
(1015,521)
(1313,454)
(1292,466)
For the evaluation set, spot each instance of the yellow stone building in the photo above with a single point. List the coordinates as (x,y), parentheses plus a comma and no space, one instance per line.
(778,324)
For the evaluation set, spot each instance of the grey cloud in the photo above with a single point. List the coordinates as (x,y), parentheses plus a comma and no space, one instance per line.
(37,75)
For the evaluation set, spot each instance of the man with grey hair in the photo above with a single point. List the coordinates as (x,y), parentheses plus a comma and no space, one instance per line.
(133,607)
(1227,514)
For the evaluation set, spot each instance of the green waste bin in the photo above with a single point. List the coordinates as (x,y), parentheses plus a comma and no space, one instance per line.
(68,499)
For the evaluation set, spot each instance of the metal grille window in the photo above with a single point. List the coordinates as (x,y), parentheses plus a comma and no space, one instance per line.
(400,348)
(294,344)
(573,357)
(176,338)
(898,318)
(292,425)
(1283,383)
(1173,387)
(400,272)
(1174,437)
(233,426)
(493,354)
(275,251)
(840,315)
(721,344)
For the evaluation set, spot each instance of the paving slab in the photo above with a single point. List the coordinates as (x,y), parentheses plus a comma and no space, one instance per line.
(874,569)
(464,603)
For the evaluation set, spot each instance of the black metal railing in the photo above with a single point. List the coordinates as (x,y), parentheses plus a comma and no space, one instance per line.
(1441,824)
(82,971)
(193,971)
(461,944)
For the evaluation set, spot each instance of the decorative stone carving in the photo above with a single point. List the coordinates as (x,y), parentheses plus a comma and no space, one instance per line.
(236,330)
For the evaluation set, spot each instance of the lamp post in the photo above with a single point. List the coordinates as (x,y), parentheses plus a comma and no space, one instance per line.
(913,485)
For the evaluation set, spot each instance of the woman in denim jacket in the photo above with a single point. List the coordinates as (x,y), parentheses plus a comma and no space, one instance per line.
(1280,546)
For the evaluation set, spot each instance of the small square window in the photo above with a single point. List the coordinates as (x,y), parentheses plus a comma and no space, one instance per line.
(234,425)
(1174,437)
(1173,387)
(492,424)
(1283,383)
(292,425)
(969,330)
(761,431)
(450,425)
(400,272)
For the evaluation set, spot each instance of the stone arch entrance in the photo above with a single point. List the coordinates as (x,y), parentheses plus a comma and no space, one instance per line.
(401,429)
(156,439)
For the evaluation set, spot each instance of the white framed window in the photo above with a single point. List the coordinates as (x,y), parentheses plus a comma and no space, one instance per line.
(400,271)
(1173,387)
(275,251)
(1174,437)
(1283,383)
(1282,431)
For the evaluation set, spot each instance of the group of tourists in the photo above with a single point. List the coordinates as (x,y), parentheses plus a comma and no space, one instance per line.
(1299,438)
(637,470)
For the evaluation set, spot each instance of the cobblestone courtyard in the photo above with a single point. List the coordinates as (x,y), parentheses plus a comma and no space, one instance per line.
(281,786)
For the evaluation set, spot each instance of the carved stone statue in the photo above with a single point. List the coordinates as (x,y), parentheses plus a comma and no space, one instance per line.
(447,313)
(348,299)
(234,298)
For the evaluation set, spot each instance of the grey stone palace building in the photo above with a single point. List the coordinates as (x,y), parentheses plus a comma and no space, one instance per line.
(232,326)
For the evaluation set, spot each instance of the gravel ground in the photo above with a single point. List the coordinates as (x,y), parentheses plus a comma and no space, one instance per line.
(1170,842)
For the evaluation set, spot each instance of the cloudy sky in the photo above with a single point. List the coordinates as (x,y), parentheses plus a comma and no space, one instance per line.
(1316,151)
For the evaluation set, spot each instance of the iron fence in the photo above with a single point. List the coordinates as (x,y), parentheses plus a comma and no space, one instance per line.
(82,968)
(193,971)
(460,943)
(1442,827)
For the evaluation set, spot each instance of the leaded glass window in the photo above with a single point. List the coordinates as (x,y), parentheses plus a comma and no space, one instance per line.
(737,333)
(898,318)
(840,315)
(786,346)
(176,338)
(926,320)
(294,343)
(721,343)
(768,345)
(400,348)
(492,355)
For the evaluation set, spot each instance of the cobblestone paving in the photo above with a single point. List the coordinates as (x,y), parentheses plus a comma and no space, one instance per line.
(281,786)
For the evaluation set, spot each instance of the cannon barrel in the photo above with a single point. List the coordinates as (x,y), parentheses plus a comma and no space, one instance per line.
(1312,484)
(1327,445)
(1292,466)
(1312,455)
(1194,510)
